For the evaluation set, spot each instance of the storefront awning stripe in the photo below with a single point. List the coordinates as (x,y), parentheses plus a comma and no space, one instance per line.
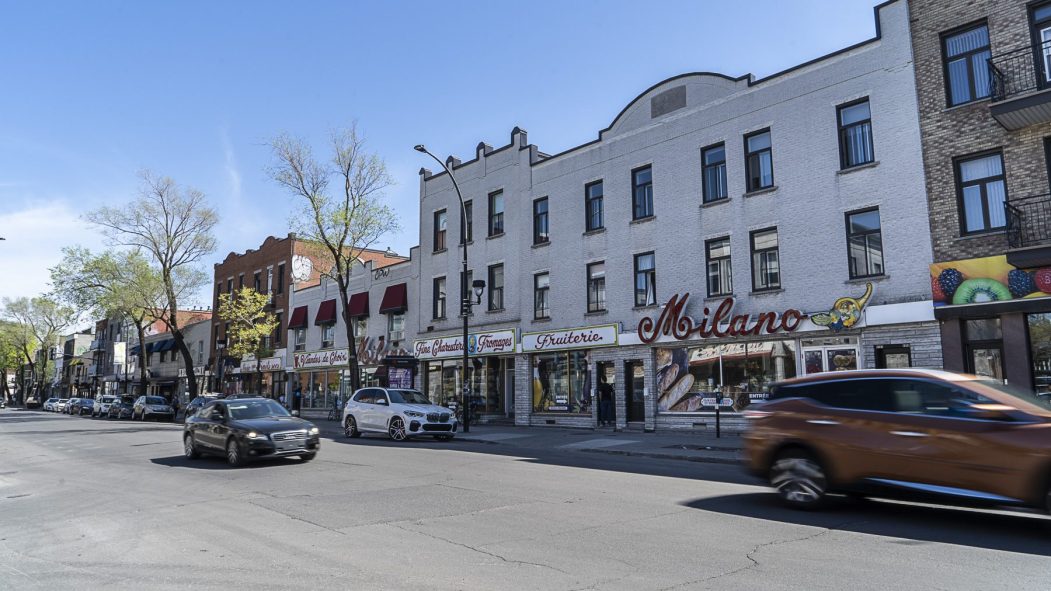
(326,312)
(359,305)
(298,319)
(395,299)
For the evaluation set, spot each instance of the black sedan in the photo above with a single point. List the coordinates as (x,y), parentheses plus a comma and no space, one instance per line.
(121,409)
(248,428)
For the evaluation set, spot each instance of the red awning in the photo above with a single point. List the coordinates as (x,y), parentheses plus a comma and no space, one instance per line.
(326,312)
(359,305)
(395,299)
(298,319)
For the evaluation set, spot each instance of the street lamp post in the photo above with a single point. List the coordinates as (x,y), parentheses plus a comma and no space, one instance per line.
(466,303)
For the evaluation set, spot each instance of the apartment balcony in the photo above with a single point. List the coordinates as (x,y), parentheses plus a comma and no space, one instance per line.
(1020,87)
(1029,231)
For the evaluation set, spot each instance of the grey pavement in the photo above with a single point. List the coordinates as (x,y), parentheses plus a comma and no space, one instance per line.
(92,504)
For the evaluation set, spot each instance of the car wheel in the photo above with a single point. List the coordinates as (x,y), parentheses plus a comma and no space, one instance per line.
(308,457)
(350,427)
(233,453)
(189,448)
(799,479)
(396,430)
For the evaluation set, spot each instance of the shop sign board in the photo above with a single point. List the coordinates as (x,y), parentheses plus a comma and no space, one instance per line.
(604,335)
(272,364)
(720,323)
(321,358)
(500,342)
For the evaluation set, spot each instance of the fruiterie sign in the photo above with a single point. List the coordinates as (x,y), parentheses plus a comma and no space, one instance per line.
(604,335)
(988,279)
(485,343)
(673,321)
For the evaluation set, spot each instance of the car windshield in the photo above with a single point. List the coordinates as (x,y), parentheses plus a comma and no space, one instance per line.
(256,409)
(1017,393)
(407,397)
(155,400)
(63,399)
(107,399)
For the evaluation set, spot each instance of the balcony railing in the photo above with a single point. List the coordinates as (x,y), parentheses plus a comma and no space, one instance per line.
(1018,72)
(1029,221)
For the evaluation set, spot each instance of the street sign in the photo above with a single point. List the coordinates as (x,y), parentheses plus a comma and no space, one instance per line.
(712,402)
(708,401)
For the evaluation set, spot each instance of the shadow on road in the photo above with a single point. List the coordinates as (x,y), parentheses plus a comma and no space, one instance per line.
(218,463)
(917,524)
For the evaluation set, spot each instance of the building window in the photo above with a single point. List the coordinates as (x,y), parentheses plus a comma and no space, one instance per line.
(229,287)
(713,181)
(720,276)
(301,339)
(759,160)
(467,234)
(855,134)
(981,193)
(642,193)
(593,206)
(541,288)
(438,298)
(597,287)
(164,355)
(361,330)
(966,56)
(280,279)
(496,213)
(496,287)
(256,284)
(241,281)
(200,352)
(395,327)
(563,379)
(766,272)
(645,280)
(328,336)
(864,244)
(277,330)
(541,229)
(440,225)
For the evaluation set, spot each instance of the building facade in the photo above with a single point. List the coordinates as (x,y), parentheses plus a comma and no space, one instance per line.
(721,234)
(983,78)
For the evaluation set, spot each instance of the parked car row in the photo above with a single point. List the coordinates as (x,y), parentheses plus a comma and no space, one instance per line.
(109,406)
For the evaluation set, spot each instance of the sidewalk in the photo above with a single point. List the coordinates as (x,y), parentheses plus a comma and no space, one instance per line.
(669,445)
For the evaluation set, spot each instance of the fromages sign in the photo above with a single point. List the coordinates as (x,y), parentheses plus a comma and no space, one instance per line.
(485,343)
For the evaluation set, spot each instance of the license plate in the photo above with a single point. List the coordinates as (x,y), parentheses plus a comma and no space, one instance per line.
(287,445)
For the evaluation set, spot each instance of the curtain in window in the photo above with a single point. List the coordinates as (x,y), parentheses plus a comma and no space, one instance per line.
(859,145)
(995,193)
(966,41)
(981,168)
(972,208)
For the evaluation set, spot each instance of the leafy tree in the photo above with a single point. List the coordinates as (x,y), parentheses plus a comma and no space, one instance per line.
(173,226)
(250,324)
(10,354)
(337,220)
(39,321)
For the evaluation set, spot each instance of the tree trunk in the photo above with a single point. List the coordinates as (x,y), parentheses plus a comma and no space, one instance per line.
(3,379)
(352,350)
(141,329)
(180,342)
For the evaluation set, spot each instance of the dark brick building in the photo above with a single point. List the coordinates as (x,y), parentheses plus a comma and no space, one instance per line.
(983,71)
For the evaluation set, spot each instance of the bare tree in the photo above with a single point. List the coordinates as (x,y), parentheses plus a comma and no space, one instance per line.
(338,220)
(41,321)
(173,225)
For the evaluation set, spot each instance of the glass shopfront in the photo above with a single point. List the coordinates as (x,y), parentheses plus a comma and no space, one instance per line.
(829,354)
(488,379)
(321,388)
(1040,351)
(562,382)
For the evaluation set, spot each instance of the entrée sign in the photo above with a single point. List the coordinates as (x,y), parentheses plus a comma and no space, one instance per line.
(674,322)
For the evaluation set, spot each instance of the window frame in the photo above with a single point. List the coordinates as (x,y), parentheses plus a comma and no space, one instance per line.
(960,185)
(635,186)
(709,259)
(439,298)
(843,129)
(651,279)
(492,287)
(390,327)
(754,252)
(467,235)
(300,336)
(331,341)
(545,312)
(590,201)
(280,289)
(440,242)
(943,38)
(705,188)
(493,216)
(541,221)
(596,306)
(850,235)
(748,163)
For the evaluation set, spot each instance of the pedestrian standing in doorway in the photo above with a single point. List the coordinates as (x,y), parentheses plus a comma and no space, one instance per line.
(605,402)
(297,400)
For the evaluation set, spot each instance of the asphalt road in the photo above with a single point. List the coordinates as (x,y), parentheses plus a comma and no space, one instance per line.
(93,504)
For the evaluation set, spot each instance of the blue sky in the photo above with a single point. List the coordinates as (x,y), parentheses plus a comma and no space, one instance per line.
(94,92)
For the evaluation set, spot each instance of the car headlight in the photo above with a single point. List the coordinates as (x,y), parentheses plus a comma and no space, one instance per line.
(254,435)
(413,413)
(314,430)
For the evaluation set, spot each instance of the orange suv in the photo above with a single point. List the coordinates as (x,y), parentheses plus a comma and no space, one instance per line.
(934,434)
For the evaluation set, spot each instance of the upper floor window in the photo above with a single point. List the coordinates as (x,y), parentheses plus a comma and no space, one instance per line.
(441,223)
(240,281)
(541,288)
(496,287)
(982,192)
(541,230)
(229,287)
(496,213)
(642,193)
(597,287)
(720,278)
(328,335)
(864,244)
(361,330)
(277,329)
(645,280)
(438,298)
(467,234)
(280,279)
(855,134)
(301,339)
(593,206)
(257,285)
(766,269)
(966,55)
(759,160)
(395,327)
(713,177)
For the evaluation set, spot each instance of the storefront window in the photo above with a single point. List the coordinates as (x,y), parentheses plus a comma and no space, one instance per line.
(561,382)
(486,378)
(830,354)
(1040,346)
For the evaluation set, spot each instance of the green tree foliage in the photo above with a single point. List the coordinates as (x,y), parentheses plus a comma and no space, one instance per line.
(250,323)
(40,322)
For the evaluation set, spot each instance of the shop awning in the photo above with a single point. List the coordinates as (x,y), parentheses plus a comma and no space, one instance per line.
(395,299)
(298,319)
(326,313)
(166,345)
(359,305)
(135,350)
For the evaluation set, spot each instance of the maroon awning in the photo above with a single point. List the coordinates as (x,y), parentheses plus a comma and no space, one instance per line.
(359,305)
(326,312)
(395,299)
(298,319)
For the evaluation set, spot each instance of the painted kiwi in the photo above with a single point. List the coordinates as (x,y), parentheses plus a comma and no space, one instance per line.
(975,291)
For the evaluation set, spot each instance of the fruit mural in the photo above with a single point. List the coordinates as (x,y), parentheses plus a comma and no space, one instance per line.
(989,279)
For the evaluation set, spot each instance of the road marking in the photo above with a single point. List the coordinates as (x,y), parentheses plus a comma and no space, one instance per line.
(597,443)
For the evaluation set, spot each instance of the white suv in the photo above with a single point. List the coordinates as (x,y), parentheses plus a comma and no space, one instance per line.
(398,413)
(102,404)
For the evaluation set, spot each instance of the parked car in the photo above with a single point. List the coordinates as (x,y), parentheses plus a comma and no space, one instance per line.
(198,403)
(50,403)
(121,408)
(32,402)
(248,428)
(61,405)
(399,413)
(82,406)
(156,407)
(916,433)
(102,404)
(242,395)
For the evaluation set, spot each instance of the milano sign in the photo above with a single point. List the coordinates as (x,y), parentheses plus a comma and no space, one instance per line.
(721,322)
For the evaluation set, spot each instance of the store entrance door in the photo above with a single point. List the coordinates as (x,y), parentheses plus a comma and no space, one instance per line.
(634,391)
